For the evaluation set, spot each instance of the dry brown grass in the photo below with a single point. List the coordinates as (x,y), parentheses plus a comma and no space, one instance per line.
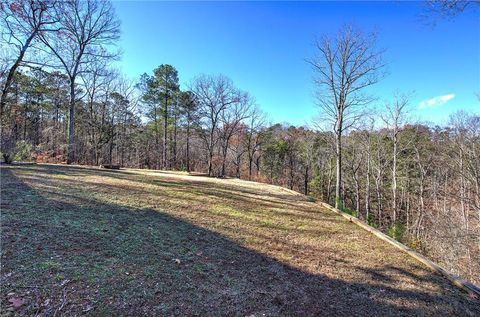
(137,242)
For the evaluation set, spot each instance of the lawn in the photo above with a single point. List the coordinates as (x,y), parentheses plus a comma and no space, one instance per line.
(96,242)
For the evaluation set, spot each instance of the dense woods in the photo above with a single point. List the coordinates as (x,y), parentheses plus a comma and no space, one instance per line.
(63,102)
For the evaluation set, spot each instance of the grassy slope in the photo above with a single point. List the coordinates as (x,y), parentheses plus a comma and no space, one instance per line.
(154,243)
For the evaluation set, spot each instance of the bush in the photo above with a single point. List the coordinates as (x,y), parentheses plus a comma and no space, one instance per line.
(397,231)
(349,211)
(23,151)
(371,221)
(416,244)
(7,158)
(315,185)
(339,203)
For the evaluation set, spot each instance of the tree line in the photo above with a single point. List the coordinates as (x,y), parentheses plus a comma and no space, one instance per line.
(63,102)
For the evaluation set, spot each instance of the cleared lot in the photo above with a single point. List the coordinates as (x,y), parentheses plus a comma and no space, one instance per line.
(135,242)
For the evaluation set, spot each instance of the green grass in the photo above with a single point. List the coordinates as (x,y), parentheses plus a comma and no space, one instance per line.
(96,242)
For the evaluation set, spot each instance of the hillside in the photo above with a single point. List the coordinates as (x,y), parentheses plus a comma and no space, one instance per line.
(141,242)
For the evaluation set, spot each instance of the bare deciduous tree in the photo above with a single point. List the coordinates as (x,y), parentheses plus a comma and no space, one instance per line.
(231,118)
(87,28)
(395,119)
(344,68)
(21,22)
(253,136)
(214,93)
(189,107)
(447,8)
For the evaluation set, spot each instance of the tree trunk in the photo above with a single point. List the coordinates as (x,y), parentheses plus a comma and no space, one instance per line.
(291,173)
(394,177)
(188,147)
(357,195)
(175,140)
(462,188)
(210,152)
(165,132)
(306,181)
(210,157)
(112,131)
(329,184)
(110,152)
(239,161)
(71,124)
(224,158)
(250,166)
(338,182)
(124,132)
(157,138)
(378,186)
(367,192)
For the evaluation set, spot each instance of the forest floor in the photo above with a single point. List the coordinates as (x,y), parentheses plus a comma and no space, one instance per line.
(79,240)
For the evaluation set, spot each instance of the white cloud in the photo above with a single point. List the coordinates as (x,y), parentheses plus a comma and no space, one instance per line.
(436,101)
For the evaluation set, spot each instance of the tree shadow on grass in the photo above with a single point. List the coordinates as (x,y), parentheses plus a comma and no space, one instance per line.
(70,255)
(227,191)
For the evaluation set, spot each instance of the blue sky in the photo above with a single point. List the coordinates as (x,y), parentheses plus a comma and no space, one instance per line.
(262,47)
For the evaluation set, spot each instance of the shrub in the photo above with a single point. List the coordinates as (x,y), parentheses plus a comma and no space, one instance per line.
(22,151)
(349,211)
(7,158)
(416,244)
(339,203)
(371,221)
(397,231)
(315,185)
